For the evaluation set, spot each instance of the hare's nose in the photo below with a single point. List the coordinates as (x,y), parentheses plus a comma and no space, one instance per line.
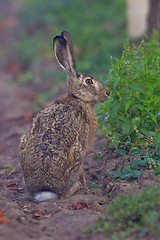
(108,92)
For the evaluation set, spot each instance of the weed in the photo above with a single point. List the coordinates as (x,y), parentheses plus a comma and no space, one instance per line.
(95,185)
(98,155)
(140,211)
(7,168)
(127,172)
(150,160)
(133,111)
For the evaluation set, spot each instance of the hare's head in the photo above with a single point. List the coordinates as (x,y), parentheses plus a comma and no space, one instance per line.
(81,85)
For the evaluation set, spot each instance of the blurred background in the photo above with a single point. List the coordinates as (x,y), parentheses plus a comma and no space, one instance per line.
(98,29)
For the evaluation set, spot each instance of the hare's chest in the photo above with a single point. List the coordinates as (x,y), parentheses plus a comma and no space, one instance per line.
(92,127)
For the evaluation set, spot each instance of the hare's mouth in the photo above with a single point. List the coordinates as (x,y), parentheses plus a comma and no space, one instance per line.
(103,98)
(108,92)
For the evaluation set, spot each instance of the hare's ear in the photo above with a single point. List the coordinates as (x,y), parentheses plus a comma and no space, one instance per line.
(64,54)
(68,38)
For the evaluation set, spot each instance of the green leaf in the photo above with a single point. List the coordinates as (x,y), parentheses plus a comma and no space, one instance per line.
(141,107)
(138,89)
(126,126)
(136,121)
(116,81)
(151,133)
(7,168)
(128,104)
(114,110)
(157,144)
(121,151)
(137,151)
(115,140)
(153,117)
(144,131)
(109,72)
(108,143)
(137,163)
(157,170)
(128,172)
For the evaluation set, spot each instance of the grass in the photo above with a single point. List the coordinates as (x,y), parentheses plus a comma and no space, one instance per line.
(7,168)
(137,211)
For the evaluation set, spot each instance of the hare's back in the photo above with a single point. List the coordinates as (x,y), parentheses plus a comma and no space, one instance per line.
(59,125)
(53,147)
(56,140)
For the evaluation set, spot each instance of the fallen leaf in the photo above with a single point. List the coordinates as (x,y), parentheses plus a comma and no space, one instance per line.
(39,217)
(3,219)
(80,205)
(73,206)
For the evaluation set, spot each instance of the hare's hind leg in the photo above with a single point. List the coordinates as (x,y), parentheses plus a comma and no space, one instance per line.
(82,177)
(75,183)
(75,187)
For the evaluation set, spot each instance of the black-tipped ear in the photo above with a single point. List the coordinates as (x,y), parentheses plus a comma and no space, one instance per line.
(68,38)
(64,55)
(59,45)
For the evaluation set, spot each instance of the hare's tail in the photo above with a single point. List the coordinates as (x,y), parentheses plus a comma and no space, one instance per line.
(45,196)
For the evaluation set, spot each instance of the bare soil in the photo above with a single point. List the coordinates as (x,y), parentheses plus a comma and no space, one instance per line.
(58,219)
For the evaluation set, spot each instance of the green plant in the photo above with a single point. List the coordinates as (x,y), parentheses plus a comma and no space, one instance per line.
(150,160)
(133,110)
(96,185)
(140,211)
(7,168)
(98,155)
(128,172)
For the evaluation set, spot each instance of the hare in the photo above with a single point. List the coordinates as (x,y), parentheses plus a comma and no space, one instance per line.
(52,151)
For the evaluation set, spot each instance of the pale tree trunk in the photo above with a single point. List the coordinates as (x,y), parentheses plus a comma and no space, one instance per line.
(137,14)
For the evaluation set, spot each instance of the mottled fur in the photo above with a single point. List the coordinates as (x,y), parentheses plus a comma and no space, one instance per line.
(52,152)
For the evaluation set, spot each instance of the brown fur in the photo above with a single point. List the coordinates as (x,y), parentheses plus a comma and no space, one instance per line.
(52,152)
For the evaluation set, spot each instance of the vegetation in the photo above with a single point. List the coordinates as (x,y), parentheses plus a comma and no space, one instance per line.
(148,159)
(95,35)
(141,212)
(132,116)
(7,168)
(132,119)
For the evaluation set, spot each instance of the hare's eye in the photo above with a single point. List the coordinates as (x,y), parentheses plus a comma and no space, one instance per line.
(89,81)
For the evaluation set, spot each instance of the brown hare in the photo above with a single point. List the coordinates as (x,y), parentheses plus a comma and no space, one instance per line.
(52,152)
